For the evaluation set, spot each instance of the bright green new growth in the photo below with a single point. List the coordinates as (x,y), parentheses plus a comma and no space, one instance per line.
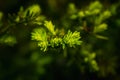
(56,42)
(72,39)
(50,27)
(44,39)
(40,35)
(43,45)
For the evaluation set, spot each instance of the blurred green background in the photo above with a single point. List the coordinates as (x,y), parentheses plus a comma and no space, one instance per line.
(25,61)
